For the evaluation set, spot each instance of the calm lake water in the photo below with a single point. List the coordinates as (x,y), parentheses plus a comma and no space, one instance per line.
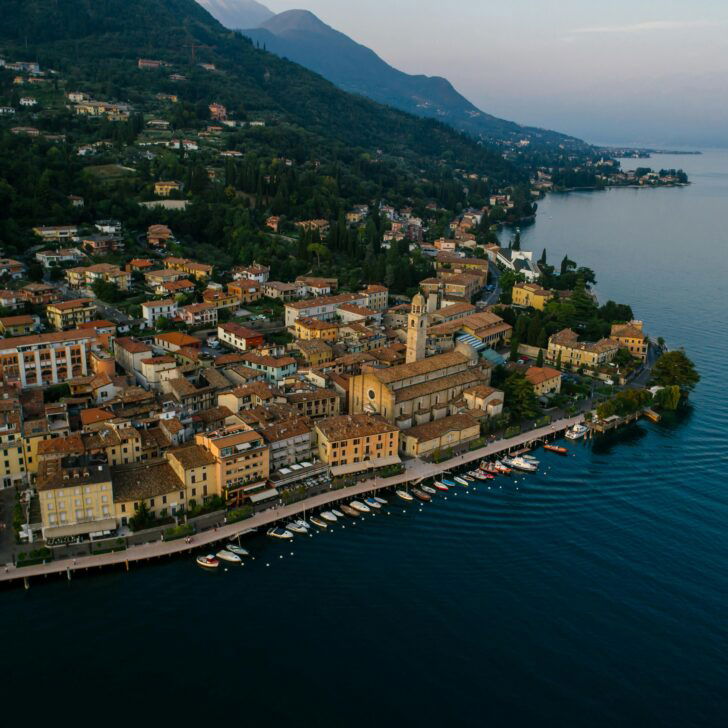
(593,593)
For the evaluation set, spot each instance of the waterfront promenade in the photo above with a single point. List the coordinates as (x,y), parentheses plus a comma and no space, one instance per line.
(415,471)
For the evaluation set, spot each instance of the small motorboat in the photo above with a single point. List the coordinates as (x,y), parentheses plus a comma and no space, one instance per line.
(468,477)
(531,459)
(428,489)
(373,502)
(502,469)
(404,495)
(239,550)
(359,506)
(381,501)
(207,562)
(475,475)
(329,516)
(296,527)
(421,495)
(486,476)
(440,486)
(338,514)
(557,449)
(319,522)
(449,483)
(520,464)
(281,533)
(577,432)
(226,555)
(349,511)
(461,481)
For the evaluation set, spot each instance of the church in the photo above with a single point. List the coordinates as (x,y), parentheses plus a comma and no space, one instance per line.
(423,389)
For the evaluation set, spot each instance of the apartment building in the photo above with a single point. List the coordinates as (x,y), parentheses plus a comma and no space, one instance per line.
(70,314)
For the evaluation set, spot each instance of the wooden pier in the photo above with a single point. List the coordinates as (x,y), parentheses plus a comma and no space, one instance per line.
(415,472)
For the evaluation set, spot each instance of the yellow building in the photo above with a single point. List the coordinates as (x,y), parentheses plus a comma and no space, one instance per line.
(87,276)
(354,443)
(631,336)
(544,380)
(566,349)
(166,188)
(18,325)
(443,434)
(307,329)
(315,352)
(12,457)
(200,271)
(75,497)
(242,462)
(530,295)
(69,314)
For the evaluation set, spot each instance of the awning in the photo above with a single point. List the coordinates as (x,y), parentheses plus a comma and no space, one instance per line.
(264,495)
(365,465)
(80,529)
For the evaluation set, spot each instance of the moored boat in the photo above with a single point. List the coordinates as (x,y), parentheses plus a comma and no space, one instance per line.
(349,511)
(303,523)
(229,556)
(449,483)
(520,464)
(319,522)
(359,506)
(338,514)
(461,481)
(557,449)
(404,495)
(373,502)
(381,501)
(296,528)
(207,562)
(577,432)
(280,533)
(239,550)
(440,486)
(329,516)
(428,489)
(421,495)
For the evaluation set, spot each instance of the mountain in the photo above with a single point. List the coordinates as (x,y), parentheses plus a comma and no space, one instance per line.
(302,37)
(237,13)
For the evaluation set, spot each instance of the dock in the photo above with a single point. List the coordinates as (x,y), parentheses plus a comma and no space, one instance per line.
(415,472)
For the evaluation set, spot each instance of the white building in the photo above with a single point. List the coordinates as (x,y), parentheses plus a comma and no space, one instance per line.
(152,311)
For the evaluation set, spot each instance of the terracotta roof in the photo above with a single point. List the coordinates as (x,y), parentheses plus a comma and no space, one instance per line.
(325,301)
(177,338)
(349,427)
(539,375)
(425,366)
(192,456)
(142,481)
(438,428)
(133,346)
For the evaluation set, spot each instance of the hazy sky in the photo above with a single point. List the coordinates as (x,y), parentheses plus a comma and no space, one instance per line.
(632,71)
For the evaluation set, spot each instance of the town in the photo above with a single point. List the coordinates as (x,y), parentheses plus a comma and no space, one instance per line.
(148,390)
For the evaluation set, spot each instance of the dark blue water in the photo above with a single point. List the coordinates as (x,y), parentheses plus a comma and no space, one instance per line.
(591,594)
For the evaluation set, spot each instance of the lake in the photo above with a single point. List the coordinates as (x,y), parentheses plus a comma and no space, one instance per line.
(592,593)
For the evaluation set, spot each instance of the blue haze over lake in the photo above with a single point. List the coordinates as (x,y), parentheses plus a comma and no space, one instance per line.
(591,594)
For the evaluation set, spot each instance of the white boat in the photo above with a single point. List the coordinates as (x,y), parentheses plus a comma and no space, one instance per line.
(303,523)
(226,555)
(520,464)
(577,432)
(319,522)
(531,459)
(296,528)
(281,533)
(373,503)
(381,501)
(359,506)
(428,489)
(338,514)
(460,480)
(208,562)
(239,550)
(329,516)
(404,495)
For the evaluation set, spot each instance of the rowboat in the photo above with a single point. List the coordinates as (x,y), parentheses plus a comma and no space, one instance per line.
(280,533)
(404,495)
(381,501)
(421,495)
(349,511)
(557,449)
(440,486)
(373,502)
(329,516)
(208,562)
(359,506)
(461,481)
(428,489)
(228,556)
(319,522)
(449,483)
(338,514)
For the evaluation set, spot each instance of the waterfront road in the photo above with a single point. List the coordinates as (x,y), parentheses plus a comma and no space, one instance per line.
(415,471)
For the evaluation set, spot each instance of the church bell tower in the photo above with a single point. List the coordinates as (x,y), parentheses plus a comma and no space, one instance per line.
(417,330)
